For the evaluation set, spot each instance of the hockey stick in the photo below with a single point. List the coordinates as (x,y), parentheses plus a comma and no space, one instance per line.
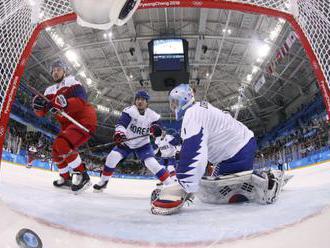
(68,117)
(99,146)
(110,144)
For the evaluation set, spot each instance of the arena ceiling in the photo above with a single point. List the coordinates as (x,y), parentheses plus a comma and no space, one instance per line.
(228,53)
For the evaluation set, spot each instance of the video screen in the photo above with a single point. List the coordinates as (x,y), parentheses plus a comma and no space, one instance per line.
(168,55)
(168,46)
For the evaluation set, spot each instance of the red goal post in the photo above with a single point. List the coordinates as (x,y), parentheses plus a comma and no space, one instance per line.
(18,35)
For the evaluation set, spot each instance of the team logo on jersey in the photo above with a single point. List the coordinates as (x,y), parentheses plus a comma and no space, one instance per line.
(164,147)
(139,130)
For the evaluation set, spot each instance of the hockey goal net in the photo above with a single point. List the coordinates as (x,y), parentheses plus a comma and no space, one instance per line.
(19,31)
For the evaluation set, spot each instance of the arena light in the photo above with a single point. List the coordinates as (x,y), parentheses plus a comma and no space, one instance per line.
(73,58)
(32,2)
(83,74)
(59,41)
(280,20)
(255,69)
(89,81)
(249,78)
(277,30)
(228,31)
(236,106)
(263,50)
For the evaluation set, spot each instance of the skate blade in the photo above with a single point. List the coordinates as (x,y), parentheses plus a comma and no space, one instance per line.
(86,186)
(97,190)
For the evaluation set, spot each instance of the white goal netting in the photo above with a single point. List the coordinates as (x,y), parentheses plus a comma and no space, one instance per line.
(18,17)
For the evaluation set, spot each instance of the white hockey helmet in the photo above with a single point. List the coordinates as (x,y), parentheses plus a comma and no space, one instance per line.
(181,97)
(105,13)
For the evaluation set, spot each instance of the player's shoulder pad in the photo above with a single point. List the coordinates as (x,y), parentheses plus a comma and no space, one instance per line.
(152,115)
(131,111)
(50,90)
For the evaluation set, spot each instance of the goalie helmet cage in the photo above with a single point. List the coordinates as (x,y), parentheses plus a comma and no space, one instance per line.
(18,34)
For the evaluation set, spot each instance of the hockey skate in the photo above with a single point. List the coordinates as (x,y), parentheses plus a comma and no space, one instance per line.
(62,183)
(159,185)
(100,186)
(80,182)
(169,200)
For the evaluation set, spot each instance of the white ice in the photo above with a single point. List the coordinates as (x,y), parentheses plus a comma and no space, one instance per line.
(121,214)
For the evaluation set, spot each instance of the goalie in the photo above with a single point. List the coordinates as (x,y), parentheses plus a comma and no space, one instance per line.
(210,134)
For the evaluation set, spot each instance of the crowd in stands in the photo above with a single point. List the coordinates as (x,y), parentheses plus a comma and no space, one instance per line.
(19,139)
(310,134)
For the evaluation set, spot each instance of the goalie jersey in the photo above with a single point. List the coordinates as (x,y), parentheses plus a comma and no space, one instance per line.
(134,124)
(208,134)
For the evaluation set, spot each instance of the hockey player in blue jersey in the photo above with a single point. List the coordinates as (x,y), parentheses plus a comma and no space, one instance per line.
(167,146)
(135,121)
(210,134)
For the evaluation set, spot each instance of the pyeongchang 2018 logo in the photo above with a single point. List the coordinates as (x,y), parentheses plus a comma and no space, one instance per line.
(161,4)
(11,95)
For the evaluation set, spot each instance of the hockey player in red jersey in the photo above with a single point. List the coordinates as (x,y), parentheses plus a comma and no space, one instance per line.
(68,95)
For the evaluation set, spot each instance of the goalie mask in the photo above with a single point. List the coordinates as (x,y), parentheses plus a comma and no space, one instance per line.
(105,13)
(181,97)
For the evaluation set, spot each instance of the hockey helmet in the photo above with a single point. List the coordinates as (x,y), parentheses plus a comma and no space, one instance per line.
(180,98)
(142,94)
(59,64)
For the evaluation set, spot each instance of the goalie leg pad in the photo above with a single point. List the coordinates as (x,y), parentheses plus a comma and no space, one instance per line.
(232,188)
(263,187)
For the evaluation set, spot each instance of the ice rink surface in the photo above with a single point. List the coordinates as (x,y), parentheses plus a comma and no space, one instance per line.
(120,216)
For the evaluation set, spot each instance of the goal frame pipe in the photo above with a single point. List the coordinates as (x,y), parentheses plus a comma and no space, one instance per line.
(148,4)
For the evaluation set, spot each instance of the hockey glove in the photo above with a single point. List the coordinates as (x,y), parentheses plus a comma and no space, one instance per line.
(119,137)
(39,103)
(58,103)
(155,130)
